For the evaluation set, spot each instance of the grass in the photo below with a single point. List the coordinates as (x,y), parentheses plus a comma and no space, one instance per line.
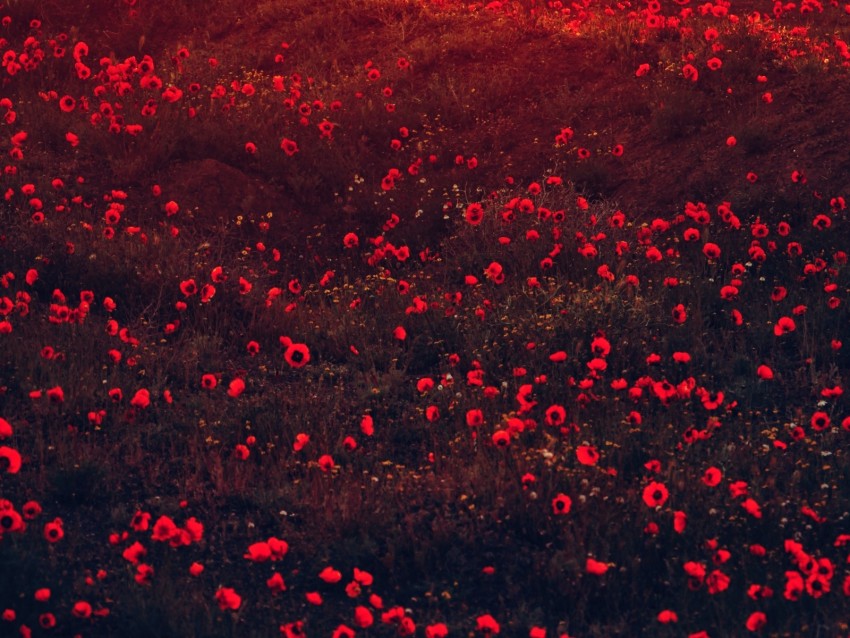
(611,405)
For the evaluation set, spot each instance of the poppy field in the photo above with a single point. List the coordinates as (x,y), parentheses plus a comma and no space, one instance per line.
(424,318)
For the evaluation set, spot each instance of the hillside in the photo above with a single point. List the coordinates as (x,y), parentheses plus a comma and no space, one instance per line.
(408,317)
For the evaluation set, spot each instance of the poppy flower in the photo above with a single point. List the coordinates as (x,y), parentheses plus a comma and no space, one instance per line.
(587,455)
(330,575)
(501,438)
(314,598)
(689,72)
(655,494)
(561,504)
(679,314)
(5,429)
(12,459)
(438,630)
(290,147)
(756,621)
(235,388)
(712,476)
(301,440)
(820,421)
(53,532)
(556,415)
(81,609)
(297,355)
(783,326)
(595,567)
(711,250)
(326,463)
(141,399)
(276,583)
(208,381)
(227,598)
(667,616)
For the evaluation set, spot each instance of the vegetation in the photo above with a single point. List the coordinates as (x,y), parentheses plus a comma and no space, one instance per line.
(424,318)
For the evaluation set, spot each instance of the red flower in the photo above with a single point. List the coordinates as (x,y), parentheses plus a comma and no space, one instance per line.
(587,455)
(235,388)
(712,477)
(474,214)
(561,504)
(711,251)
(53,531)
(487,624)
(330,575)
(297,355)
(668,616)
(655,494)
(326,463)
(679,314)
(208,381)
(12,459)
(289,146)
(227,598)
(595,567)
(756,621)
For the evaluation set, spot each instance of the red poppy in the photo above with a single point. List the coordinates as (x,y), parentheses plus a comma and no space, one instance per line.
(208,381)
(53,532)
(276,583)
(330,575)
(689,72)
(501,438)
(474,214)
(820,421)
(235,388)
(12,459)
(227,598)
(587,455)
(487,625)
(783,326)
(712,477)
(67,103)
(556,415)
(438,630)
(326,463)
(756,621)
(668,616)
(655,494)
(297,355)
(289,146)
(5,429)
(595,567)
(711,251)
(679,314)
(561,504)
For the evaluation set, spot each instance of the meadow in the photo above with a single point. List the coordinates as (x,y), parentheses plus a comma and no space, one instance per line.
(424,318)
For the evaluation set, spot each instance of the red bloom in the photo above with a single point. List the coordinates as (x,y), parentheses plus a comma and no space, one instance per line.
(297,355)
(655,494)
(487,624)
(53,531)
(595,567)
(587,455)
(208,381)
(289,146)
(227,598)
(12,459)
(756,621)
(561,504)
(712,477)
